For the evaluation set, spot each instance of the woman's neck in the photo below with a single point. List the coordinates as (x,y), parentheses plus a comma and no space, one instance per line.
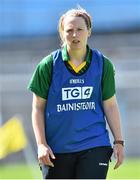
(77,55)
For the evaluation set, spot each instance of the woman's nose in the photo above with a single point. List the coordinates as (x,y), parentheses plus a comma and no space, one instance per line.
(74,34)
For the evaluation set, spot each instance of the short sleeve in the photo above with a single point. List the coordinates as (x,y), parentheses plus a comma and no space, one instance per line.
(41,78)
(108,79)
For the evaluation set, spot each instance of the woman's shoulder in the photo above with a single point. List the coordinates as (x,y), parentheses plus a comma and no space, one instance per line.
(108,67)
(108,63)
(47,60)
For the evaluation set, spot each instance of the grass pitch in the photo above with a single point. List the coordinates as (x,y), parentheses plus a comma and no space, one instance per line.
(129,170)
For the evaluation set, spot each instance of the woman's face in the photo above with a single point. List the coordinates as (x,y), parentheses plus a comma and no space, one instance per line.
(75,32)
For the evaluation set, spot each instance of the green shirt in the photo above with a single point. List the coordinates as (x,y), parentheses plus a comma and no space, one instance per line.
(41,79)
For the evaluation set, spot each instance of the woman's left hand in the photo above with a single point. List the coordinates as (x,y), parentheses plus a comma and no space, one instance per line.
(118,154)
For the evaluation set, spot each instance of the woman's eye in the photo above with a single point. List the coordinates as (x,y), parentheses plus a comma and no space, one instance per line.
(69,30)
(79,29)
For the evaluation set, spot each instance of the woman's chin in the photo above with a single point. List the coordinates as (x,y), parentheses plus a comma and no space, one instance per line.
(76,46)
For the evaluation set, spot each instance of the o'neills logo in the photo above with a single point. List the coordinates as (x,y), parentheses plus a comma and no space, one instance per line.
(72,93)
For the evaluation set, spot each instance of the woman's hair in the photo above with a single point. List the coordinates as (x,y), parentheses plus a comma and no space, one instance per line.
(78,12)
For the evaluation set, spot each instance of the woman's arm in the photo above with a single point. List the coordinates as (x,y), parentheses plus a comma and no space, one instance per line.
(38,122)
(113,118)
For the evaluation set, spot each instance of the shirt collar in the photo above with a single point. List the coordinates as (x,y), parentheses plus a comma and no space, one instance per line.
(65,55)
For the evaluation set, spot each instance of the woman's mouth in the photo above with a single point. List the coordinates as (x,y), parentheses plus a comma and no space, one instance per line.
(75,41)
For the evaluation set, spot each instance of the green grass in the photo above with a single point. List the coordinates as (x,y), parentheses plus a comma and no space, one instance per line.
(19,171)
(129,170)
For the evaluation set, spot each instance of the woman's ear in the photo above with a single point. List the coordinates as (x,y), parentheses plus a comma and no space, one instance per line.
(89,32)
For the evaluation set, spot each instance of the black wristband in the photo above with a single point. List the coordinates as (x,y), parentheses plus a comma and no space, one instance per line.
(119,142)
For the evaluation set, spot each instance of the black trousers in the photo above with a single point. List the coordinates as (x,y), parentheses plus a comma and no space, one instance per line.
(88,164)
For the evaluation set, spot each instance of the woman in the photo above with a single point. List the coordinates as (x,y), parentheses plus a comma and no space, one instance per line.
(73,97)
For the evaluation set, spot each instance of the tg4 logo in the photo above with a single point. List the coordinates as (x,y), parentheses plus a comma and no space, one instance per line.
(72,93)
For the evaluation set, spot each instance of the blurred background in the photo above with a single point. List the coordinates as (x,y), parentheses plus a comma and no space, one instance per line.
(28,32)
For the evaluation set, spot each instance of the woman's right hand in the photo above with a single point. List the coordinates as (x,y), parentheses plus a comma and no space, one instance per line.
(45,155)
